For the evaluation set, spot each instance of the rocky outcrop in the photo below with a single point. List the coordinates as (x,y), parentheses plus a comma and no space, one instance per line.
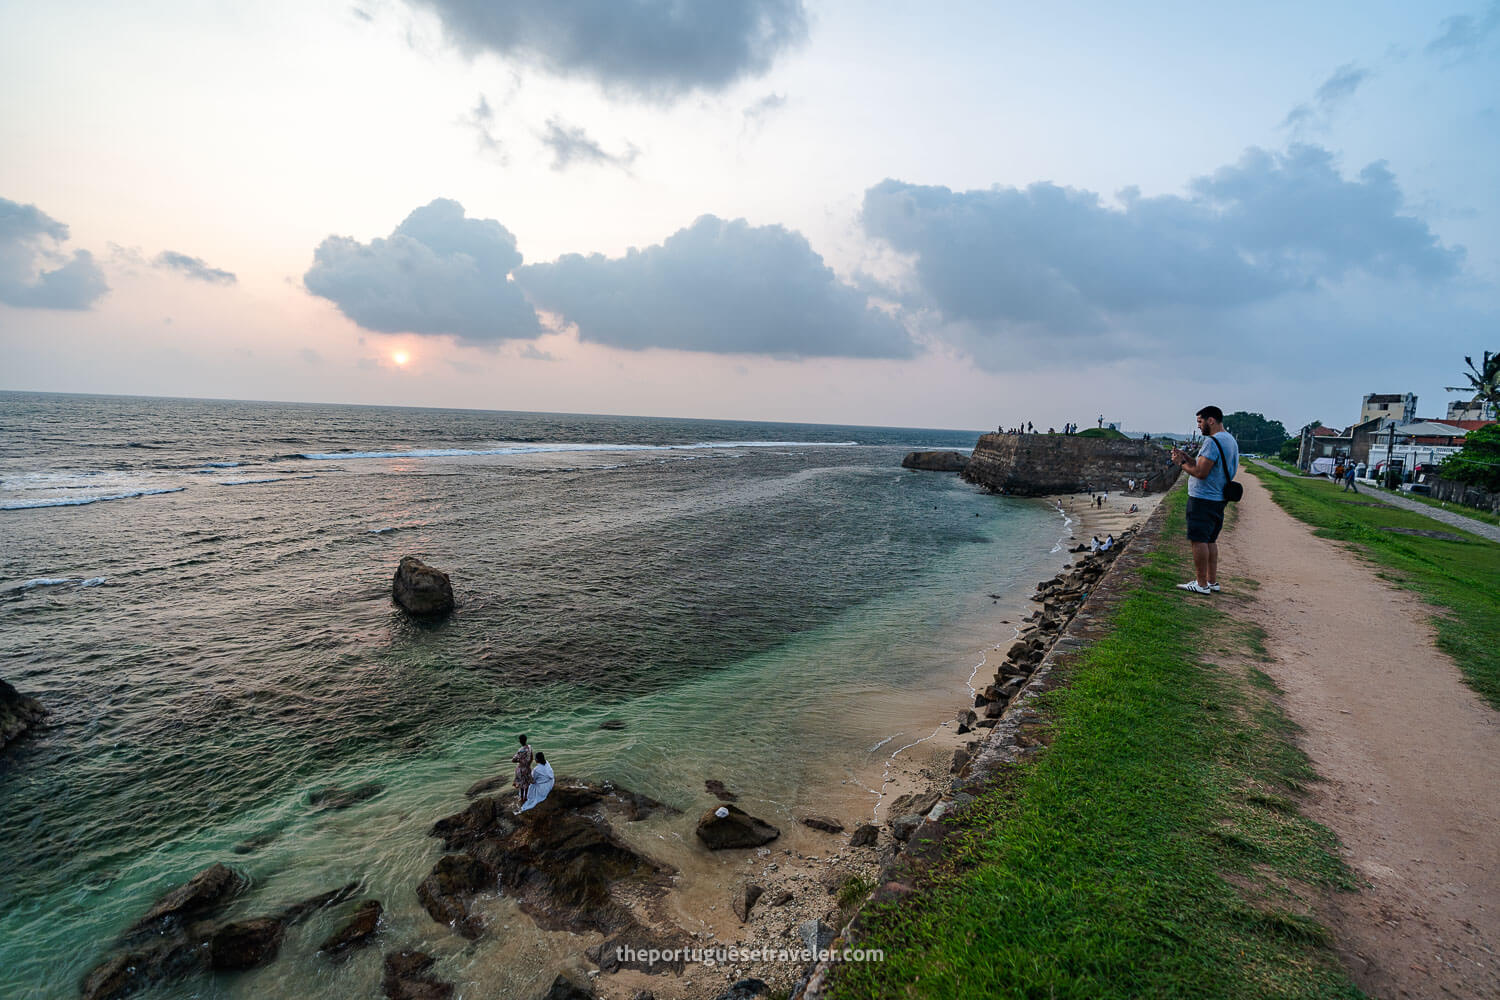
(563,864)
(935,461)
(730,826)
(1044,464)
(18,713)
(178,937)
(424,592)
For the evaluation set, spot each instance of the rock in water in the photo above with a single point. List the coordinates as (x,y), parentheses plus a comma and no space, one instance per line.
(245,944)
(356,933)
(18,713)
(407,977)
(735,828)
(423,591)
(935,461)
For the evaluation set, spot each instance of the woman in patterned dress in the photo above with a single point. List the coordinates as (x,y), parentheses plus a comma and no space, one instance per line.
(522,759)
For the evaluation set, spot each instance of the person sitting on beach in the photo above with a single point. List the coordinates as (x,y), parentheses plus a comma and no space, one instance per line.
(1109,543)
(542,781)
(1095,545)
(1135,508)
(522,759)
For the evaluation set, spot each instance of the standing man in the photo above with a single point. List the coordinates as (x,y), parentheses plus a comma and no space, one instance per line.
(1205,506)
(1349,479)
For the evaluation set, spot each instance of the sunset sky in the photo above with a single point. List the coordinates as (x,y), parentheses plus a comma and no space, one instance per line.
(950,215)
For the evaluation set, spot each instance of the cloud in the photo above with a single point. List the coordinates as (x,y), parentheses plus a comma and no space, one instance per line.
(1044,266)
(723,287)
(658,49)
(1334,91)
(756,114)
(531,353)
(1464,34)
(193,267)
(30,240)
(437,273)
(571,145)
(482,121)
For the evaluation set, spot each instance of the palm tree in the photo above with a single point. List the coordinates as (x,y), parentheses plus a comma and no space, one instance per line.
(1484,383)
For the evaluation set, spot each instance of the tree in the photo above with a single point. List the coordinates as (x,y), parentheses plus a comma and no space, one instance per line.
(1290,448)
(1484,383)
(1479,462)
(1254,432)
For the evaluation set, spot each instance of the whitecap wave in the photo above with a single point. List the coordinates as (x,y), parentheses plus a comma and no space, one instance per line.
(45,581)
(563,446)
(80,501)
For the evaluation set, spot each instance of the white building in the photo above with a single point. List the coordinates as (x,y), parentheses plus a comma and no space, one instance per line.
(1425,442)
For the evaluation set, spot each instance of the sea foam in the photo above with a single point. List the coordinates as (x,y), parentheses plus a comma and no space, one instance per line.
(80,501)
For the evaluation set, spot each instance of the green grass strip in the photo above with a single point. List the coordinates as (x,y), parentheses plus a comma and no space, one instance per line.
(1153,850)
(1457,577)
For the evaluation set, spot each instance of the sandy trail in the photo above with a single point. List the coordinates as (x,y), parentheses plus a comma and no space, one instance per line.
(1409,753)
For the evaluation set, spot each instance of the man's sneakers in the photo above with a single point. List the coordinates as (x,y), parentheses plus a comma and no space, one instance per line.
(1194,587)
(1215,587)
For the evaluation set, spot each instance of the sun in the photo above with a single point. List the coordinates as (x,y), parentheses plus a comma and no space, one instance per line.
(400,358)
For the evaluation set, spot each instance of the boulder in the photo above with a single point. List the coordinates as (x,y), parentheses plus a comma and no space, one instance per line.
(824,823)
(816,935)
(735,828)
(18,713)
(902,827)
(356,933)
(916,802)
(564,988)
(936,461)
(244,944)
(966,719)
(865,836)
(452,883)
(744,900)
(745,989)
(204,892)
(406,978)
(423,591)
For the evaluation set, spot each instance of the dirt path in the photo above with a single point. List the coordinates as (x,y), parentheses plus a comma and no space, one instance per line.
(1410,756)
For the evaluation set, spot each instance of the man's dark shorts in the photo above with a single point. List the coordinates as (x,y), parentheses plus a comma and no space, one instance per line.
(1204,519)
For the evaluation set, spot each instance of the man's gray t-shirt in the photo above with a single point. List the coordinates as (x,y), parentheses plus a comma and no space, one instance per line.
(1212,487)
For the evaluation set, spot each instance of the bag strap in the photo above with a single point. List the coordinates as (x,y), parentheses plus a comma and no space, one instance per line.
(1228,476)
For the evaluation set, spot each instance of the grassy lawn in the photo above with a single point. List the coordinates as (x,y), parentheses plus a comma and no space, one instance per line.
(1154,850)
(1456,577)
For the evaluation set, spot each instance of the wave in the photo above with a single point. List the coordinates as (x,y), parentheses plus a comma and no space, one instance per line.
(562,446)
(80,501)
(58,581)
(221,465)
(268,479)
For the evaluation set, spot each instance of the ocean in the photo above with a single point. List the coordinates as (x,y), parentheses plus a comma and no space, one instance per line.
(199,592)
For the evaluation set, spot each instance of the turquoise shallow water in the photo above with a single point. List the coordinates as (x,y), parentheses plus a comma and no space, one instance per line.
(758,603)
